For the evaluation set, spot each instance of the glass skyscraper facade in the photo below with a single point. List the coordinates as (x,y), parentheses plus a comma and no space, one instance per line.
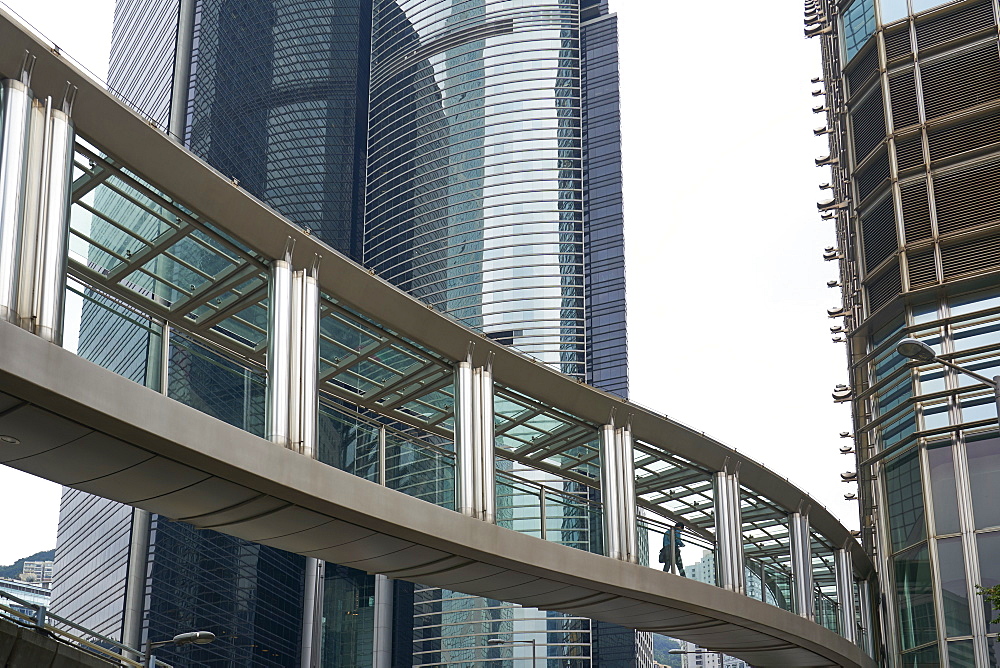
(912,99)
(466,150)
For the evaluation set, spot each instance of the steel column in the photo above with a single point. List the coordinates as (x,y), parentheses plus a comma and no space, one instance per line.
(382,640)
(279,341)
(304,363)
(610,494)
(486,442)
(466,454)
(15,115)
(729,532)
(53,227)
(177,122)
(845,594)
(626,477)
(865,612)
(27,298)
(312,599)
(802,575)
(135,579)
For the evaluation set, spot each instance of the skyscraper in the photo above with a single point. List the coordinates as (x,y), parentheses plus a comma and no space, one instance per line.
(912,106)
(468,151)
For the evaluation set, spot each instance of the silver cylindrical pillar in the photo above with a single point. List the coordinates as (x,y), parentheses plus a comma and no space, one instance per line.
(845,594)
(610,494)
(135,579)
(177,122)
(304,360)
(466,501)
(486,443)
(802,574)
(53,229)
(729,532)
(626,458)
(15,115)
(27,297)
(865,613)
(382,641)
(312,599)
(279,332)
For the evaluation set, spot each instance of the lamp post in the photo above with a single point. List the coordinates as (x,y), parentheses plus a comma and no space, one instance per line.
(915,349)
(498,641)
(189,638)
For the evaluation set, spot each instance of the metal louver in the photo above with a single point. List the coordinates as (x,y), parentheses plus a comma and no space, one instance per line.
(868,123)
(863,69)
(882,290)
(966,80)
(875,173)
(909,152)
(945,28)
(897,44)
(916,212)
(970,256)
(921,268)
(903,96)
(966,199)
(967,136)
(878,230)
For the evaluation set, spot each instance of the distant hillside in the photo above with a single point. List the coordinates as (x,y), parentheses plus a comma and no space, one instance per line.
(662,645)
(15,569)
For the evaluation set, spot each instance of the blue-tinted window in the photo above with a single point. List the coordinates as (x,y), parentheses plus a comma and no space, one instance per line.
(906,501)
(892,10)
(859,24)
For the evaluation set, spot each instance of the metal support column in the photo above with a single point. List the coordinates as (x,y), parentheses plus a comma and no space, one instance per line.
(304,363)
(729,532)
(312,613)
(177,121)
(466,454)
(53,223)
(610,493)
(485,440)
(802,575)
(865,613)
(15,115)
(845,594)
(279,341)
(626,477)
(382,641)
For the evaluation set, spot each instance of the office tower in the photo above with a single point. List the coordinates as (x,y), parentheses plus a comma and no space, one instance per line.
(468,152)
(912,102)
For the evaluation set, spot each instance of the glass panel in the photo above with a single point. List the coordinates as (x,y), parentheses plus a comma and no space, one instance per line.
(420,469)
(989,572)
(961,654)
(942,469)
(893,10)
(348,442)
(914,598)
(859,24)
(977,301)
(954,594)
(906,501)
(926,657)
(984,471)
(208,381)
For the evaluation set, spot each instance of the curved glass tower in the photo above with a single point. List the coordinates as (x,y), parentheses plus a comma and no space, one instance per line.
(912,100)
(475,175)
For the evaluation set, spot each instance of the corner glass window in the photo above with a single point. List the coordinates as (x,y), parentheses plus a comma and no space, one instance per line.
(942,467)
(989,573)
(859,25)
(914,598)
(906,501)
(954,594)
(892,10)
(984,471)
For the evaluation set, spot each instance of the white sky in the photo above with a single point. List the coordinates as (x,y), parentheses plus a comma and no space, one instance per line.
(726,287)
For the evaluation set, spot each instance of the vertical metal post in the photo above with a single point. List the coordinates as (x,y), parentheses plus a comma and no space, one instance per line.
(865,612)
(729,532)
(303,362)
(802,575)
(279,333)
(15,114)
(177,121)
(996,394)
(382,451)
(465,440)
(382,641)
(486,442)
(610,493)
(845,593)
(626,473)
(312,599)
(135,583)
(27,298)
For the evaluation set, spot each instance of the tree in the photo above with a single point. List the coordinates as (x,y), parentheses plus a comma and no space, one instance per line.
(992,596)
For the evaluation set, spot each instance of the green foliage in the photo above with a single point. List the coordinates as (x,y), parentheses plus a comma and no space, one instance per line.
(992,596)
(15,569)
(661,646)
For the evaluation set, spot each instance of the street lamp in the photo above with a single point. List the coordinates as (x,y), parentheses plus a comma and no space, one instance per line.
(189,638)
(498,641)
(915,349)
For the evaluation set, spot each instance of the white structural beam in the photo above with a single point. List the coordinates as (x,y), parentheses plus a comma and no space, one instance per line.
(729,532)
(802,574)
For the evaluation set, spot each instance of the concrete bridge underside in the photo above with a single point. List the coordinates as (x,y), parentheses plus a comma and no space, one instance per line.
(82,426)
